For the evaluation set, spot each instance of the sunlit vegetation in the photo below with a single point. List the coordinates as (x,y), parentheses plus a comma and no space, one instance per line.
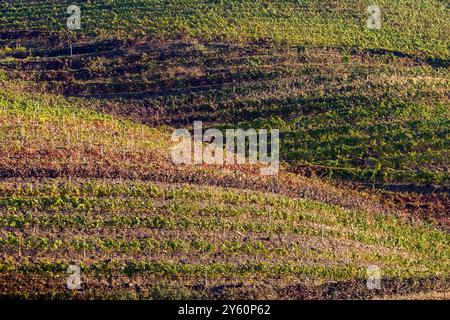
(86,176)
(137,229)
(410,26)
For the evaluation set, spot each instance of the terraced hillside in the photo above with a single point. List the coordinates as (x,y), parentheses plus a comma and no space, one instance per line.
(142,239)
(409,26)
(360,115)
(145,240)
(87,179)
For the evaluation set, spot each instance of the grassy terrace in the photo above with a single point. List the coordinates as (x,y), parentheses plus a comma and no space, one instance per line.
(409,26)
(387,142)
(141,239)
(346,109)
(156,231)
(344,114)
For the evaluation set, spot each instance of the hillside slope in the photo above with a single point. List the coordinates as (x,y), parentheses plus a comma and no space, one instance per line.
(143,239)
(419,26)
(357,115)
(87,179)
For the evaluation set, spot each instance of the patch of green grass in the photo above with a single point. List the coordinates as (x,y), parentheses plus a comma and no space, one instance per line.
(413,27)
(380,142)
(125,206)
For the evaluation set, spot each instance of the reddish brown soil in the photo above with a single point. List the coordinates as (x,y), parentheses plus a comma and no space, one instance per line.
(102,287)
